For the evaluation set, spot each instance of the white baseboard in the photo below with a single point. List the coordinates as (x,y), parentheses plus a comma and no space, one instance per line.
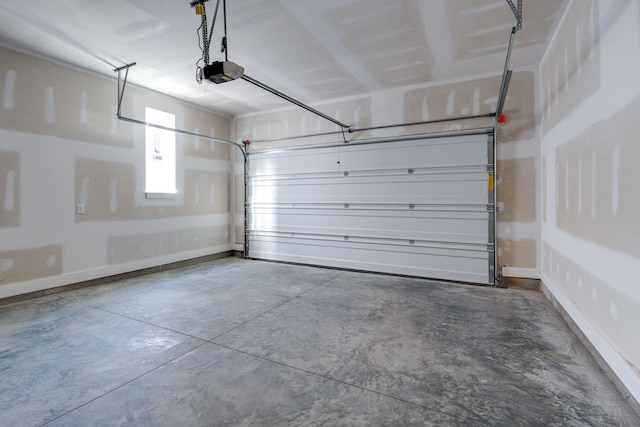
(618,366)
(523,273)
(65,279)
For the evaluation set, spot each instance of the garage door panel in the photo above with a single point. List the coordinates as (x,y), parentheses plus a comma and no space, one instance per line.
(459,151)
(417,207)
(465,266)
(448,190)
(419,226)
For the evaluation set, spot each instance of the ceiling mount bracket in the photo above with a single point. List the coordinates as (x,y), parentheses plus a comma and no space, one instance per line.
(200,10)
(124,67)
(517,12)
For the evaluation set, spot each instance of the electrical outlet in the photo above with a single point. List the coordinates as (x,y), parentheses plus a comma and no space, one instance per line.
(80,208)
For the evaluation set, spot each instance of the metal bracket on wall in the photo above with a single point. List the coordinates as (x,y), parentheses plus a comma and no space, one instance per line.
(506,76)
(517,12)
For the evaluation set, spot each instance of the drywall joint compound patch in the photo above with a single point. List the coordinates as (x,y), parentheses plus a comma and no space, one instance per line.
(9,89)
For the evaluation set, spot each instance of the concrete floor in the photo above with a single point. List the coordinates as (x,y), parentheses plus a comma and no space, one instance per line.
(236,342)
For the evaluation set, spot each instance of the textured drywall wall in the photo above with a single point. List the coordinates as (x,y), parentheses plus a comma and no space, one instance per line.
(590,152)
(570,72)
(62,146)
(393,55)
(28,264)
(479,25)
(518,150)
(108,192)
(356,113)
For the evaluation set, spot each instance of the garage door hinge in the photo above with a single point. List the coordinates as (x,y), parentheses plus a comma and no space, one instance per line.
(491,247)
(490,168)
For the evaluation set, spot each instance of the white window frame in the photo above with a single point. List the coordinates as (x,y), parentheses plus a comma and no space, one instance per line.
(160,155)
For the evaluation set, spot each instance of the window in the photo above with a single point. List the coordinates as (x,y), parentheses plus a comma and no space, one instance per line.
(160,155)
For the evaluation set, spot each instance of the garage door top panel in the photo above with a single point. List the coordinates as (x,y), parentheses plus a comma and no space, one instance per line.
(456,152)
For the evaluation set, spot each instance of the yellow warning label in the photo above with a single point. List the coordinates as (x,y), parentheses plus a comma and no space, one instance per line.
(199,9)
(491,182)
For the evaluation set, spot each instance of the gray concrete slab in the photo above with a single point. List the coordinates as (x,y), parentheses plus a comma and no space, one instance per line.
(485,354)
(294,345)
(203,302)
(56,355)
(221,387)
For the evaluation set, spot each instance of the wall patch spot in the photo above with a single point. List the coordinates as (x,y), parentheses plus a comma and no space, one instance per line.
(6,264)
(84,106)
(593,185)
(113,206)
(579,48)
(557,81)
(615,195)
(50,105)
(580,186)
(476,101)
(548,98)
(557,187)
(29,264)
(613,311)
(84,195)
(9,199)
(51,260)
(425,108)
(451,102)
(566,186)
(566,67)
(9,90)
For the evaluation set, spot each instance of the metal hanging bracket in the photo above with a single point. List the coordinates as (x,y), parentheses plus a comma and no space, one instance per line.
(506,76)
(200,10)
(517,12)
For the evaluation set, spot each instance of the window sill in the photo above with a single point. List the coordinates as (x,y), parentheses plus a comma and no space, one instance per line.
(161,195)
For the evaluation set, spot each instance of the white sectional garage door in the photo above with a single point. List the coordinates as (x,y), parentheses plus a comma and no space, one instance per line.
(419,207)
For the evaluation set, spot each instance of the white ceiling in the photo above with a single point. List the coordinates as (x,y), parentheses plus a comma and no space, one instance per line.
(311,50)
